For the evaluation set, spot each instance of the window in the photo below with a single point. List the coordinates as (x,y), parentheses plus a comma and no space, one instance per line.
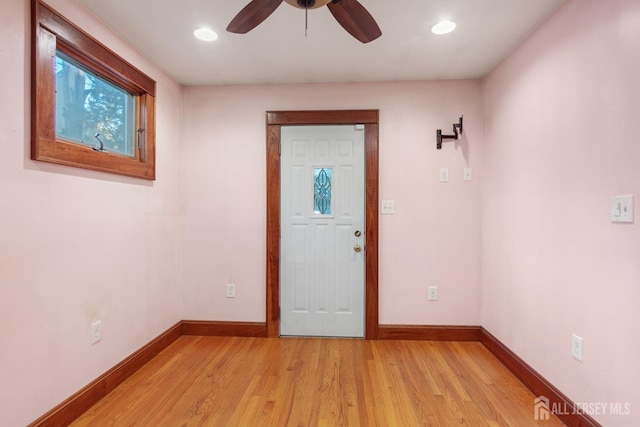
(90,108)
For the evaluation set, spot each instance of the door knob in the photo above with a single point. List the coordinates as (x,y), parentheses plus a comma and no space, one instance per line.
(357,248)
(358,233)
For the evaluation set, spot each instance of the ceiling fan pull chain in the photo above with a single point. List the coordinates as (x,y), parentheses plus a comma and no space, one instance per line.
(306,18)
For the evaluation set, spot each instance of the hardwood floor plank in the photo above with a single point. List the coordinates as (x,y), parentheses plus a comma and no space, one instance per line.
(233,381)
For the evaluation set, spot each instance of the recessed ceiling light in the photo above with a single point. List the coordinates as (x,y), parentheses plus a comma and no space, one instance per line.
(205,34)
(443,27)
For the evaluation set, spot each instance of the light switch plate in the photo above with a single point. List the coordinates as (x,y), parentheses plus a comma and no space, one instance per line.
(622,209)
(444,175)
(388,207)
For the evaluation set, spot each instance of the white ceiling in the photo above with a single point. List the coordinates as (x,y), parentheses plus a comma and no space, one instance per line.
(277,51)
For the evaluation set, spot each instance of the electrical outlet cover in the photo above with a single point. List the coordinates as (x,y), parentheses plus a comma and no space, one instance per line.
(96,331)
(576,347)
(231,290)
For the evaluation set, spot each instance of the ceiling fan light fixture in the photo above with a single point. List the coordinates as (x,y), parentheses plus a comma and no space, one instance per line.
(443,27)
(205,34)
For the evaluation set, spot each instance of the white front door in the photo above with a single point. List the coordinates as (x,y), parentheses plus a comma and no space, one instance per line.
(322,236)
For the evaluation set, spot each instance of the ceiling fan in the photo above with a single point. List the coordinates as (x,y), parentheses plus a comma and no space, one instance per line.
(349,13)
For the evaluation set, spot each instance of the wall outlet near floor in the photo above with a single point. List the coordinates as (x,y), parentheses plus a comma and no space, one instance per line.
(231,290)
(433,293)
(467,174)
(96,331)
(576,347)
(444,175)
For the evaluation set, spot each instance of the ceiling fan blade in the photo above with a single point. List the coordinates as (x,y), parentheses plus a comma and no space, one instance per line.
(355,19)
(252,15)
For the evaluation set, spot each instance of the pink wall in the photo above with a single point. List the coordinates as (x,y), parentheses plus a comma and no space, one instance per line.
(561,137)
(433,239)
(78,246)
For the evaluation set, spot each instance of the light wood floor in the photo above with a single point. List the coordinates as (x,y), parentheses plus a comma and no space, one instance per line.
(217,381)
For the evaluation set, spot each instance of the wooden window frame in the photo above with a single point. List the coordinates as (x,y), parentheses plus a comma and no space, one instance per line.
(51,32)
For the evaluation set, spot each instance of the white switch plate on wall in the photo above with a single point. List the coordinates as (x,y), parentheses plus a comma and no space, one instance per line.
(467,174)
(388,207)
(444,175)
(622,208)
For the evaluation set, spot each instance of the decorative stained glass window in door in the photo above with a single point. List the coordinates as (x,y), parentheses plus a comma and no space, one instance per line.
(322,191)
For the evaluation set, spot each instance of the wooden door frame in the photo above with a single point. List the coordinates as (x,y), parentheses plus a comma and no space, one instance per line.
(276,119)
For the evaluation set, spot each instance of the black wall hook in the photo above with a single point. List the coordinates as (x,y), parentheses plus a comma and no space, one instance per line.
(457,131)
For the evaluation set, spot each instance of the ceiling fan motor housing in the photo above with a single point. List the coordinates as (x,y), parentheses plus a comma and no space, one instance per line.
(351,15)
(308,4)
